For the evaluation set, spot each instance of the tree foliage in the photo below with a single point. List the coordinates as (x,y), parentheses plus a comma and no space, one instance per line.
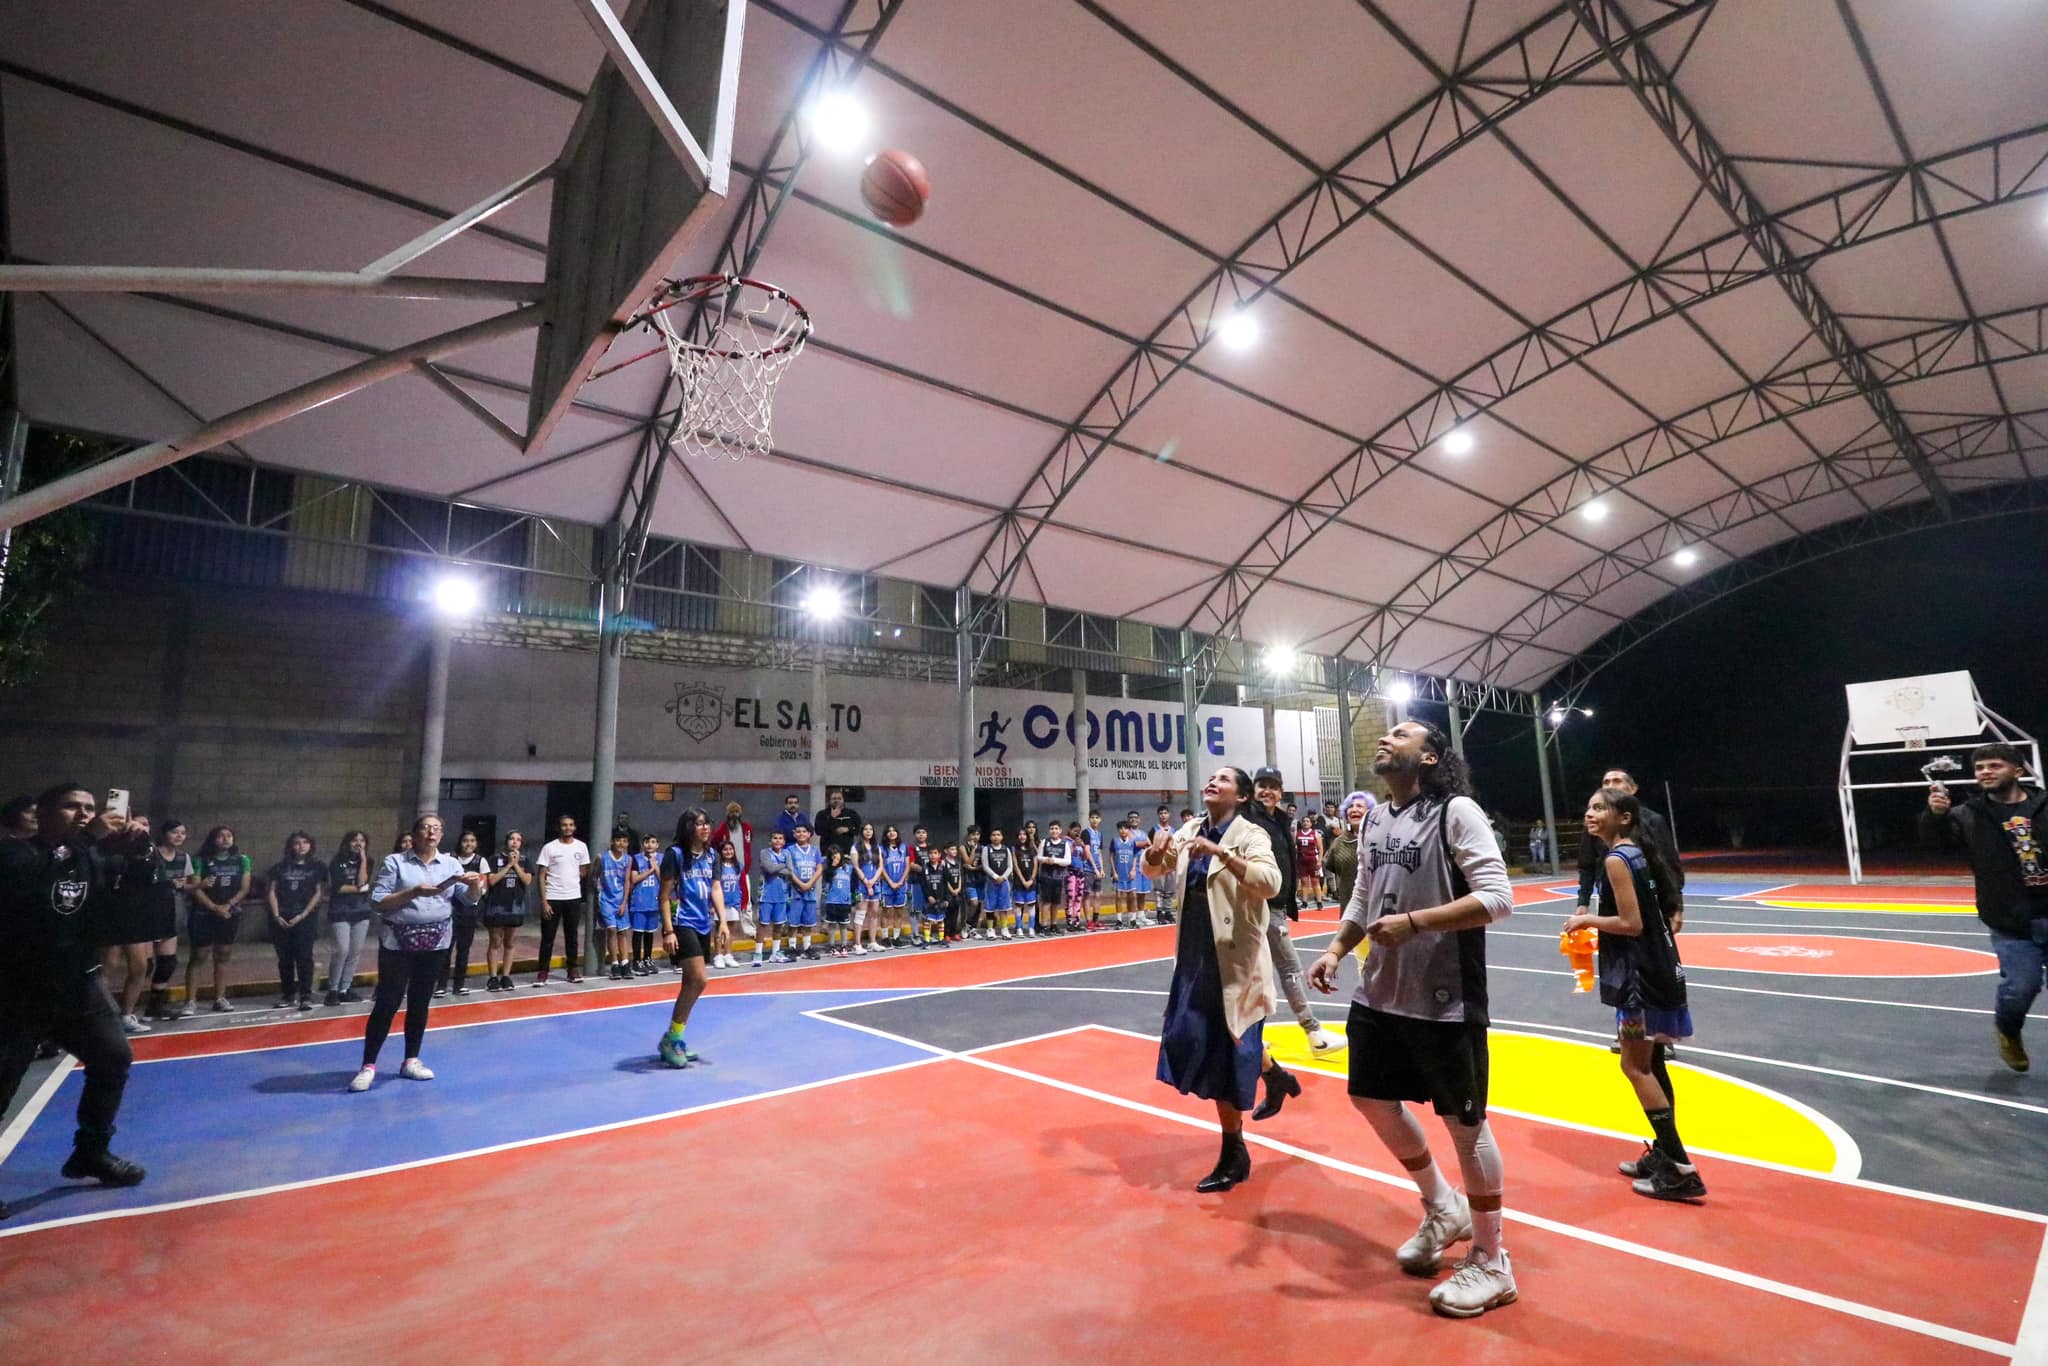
(46,559)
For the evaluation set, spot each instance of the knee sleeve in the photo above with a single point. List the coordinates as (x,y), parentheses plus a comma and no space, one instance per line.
(1397,1128)
(1478,1158)
(166,967)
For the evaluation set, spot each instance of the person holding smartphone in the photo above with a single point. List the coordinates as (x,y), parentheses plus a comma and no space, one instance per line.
(466,916)
(505,910)
(415,894)
(215,921)
(293,889)
(348,915)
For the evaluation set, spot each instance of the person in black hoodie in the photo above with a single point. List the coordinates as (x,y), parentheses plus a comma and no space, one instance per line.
(2001,827)
(1282,909)
(52,888)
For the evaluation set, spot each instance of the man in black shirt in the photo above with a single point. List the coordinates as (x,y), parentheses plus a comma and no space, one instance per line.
(838,825)
(52,888)
(2001,827)
(1656,832)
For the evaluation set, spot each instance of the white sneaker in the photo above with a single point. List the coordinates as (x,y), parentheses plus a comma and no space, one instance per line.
(1322,1040)
(861,949)
(778,957)
(132,1025)
(1007,933)
(1480,1283)
(415,1070)
(362,1079)
(1420,1255)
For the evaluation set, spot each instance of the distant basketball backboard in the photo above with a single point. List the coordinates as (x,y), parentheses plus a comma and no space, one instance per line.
(626,198)
(1890,711)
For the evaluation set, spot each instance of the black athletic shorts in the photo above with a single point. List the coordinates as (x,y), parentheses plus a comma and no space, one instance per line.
(1396,1057)
(208,930)
(838,912)
(689,943)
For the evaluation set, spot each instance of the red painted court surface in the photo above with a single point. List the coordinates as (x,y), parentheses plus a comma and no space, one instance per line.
(1027,1201)
(1833,955)
(994,1215)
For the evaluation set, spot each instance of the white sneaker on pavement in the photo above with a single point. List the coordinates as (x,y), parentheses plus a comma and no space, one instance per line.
(1322,1040)
(415,1070)
(1421,1254)
(362,1079)
(1480,1283)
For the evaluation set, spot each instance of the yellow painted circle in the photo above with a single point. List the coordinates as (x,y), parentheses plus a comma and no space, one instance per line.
(1566,1081)
(1874,907)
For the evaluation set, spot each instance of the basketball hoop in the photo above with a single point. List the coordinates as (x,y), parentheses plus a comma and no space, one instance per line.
(1914,737)
(727,369)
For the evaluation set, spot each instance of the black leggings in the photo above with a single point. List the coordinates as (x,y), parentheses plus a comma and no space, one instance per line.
(455,962)
(568,914)
(407,976)
(295,956)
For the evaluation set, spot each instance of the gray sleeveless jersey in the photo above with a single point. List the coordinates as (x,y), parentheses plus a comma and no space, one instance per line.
(1411,858)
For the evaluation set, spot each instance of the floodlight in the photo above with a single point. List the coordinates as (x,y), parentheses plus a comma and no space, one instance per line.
(1458,442)
(1686,558)
(1596,511)
(455,595)
(838,121)
(1238,330)
(823,603)
(1279,660)
(1557,716)
(1400,691)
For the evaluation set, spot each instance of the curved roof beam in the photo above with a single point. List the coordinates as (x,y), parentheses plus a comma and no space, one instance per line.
(1549,52)
(1987,173)
(1966,439)
(1940,349)
(1674,115)
(1937,349)
(2003,500)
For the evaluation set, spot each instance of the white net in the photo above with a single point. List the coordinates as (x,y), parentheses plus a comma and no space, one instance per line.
(1914,737)
(727,375)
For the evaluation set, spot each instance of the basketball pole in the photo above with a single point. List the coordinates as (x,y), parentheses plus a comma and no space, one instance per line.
(1549,800)
(1077,723)
(1191,738)
(963,660)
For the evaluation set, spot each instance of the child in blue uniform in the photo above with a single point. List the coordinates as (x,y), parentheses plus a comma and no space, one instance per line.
(643,905)
(772,913)
(998,868)
(731,878)
(613,876)
(895,885)
(806,870)
(867,888)
(1123,854)
(692,922)
(839,932)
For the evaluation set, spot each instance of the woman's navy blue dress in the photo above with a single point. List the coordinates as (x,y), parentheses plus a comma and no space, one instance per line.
(1197,1056)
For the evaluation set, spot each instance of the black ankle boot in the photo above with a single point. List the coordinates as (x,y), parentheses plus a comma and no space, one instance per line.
(1280,1084)
(97,1163)
(1233,1165)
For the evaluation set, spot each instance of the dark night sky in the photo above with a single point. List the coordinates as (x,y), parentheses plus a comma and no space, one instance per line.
(1747,693)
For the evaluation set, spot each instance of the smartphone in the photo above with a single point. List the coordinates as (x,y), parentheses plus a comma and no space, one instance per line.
(117,802)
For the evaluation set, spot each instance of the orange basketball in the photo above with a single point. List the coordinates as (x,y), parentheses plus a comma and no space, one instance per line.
(895,187)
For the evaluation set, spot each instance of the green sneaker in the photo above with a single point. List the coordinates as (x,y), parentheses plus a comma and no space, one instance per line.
(672,1051)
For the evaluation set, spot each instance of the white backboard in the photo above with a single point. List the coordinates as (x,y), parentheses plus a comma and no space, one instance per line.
(1946,704)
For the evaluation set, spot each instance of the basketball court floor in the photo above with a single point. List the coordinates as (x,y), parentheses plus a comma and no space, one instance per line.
(962,1155)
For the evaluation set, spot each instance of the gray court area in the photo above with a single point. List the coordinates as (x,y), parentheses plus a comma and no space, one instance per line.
(1978,1135)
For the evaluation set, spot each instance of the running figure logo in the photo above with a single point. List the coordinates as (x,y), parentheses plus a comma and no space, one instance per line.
(991,729)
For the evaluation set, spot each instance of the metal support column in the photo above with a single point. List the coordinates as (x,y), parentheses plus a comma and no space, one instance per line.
(1457,730)
(1079,725)
(1543,772)
(820,721)
(963,657)
(1191,740)
(435,729)
(1347,743)
(1272,731)
(604,744)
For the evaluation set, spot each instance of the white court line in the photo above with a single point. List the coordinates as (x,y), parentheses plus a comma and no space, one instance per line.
(226,1197)
(1780,972)
(2032,1344)
(34,1106)
(1692,1049)
(1661,1256)
(1809,929)
(1765,991)
(890,993)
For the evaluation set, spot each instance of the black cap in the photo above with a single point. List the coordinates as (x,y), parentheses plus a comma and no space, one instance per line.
(1268,774)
